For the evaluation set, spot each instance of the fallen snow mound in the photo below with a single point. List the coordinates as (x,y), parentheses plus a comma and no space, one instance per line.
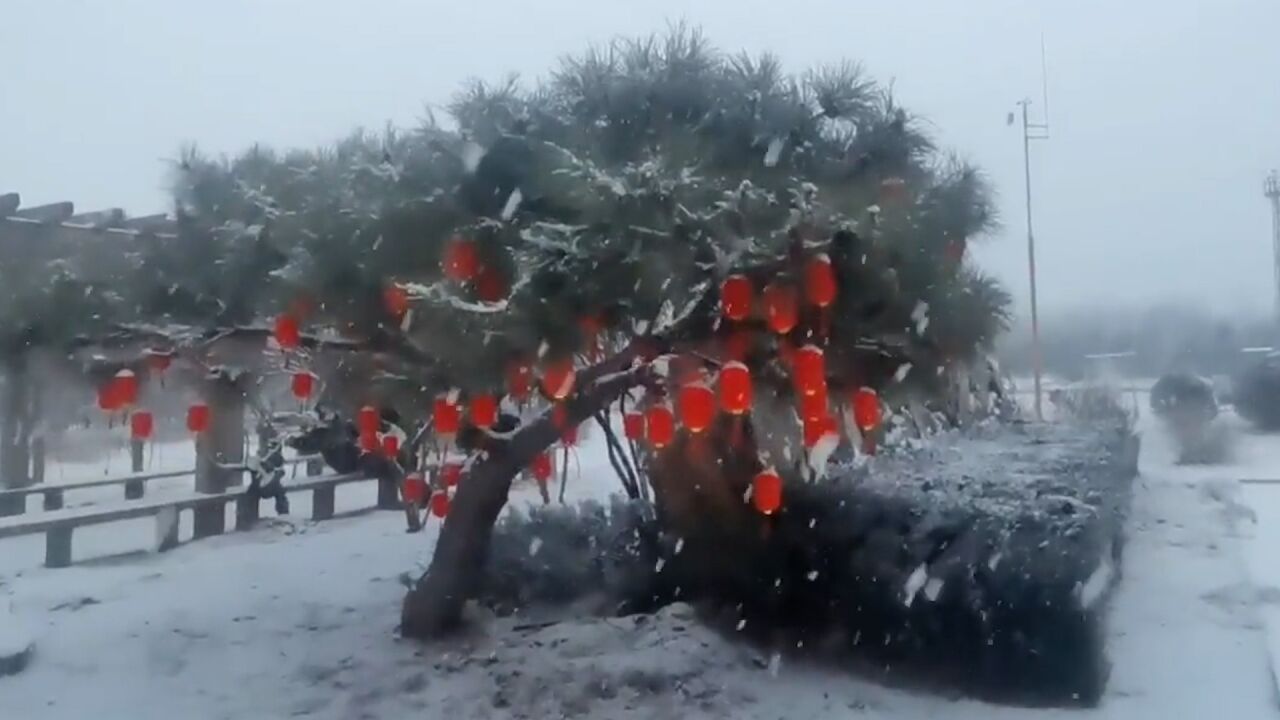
(16,643)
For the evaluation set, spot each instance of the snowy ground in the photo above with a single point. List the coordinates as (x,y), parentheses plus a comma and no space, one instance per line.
(298,619)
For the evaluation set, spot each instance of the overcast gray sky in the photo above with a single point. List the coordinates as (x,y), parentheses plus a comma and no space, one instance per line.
(1165,113)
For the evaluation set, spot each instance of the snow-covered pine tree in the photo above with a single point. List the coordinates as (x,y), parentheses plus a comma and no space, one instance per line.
(591,217)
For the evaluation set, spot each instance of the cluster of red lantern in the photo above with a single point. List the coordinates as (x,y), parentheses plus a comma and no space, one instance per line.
(484,411)
(302,384)
(448,417)
(866,409)
(519,379)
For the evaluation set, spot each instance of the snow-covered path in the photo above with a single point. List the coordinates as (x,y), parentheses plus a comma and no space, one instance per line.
(298,620)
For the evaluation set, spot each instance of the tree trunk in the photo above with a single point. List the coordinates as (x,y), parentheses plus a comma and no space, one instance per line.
(434,606)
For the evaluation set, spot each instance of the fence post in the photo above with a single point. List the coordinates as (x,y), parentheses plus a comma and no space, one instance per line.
(247,512)
(322,502)
(135,488)
(53,500)
(57,547)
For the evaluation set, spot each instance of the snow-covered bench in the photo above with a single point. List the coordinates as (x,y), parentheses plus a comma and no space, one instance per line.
(58,525)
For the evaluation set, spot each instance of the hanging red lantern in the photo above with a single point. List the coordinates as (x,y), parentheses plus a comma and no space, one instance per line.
(390,445)
(461,259)
(780,308)
(490,286)
(660,425)
(126,389)
(809,369)
(633,425)
(198,418)
(735,297)
(559,416)
(302,384)
(450,474)
(735,388)
(396,299)
(109,399)
(159,361)
(766,492)
(367,420)
(557,379)
(448,417)
(697,407)
(287,333)
(519,379)
(440,503)
(814,407)
(369,441)
(542,467)
(414,489)
(484,411)
(141,425)
(866,409)
(819,281)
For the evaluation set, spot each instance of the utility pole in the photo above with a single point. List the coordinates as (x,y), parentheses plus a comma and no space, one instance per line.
(1034,131)
(1271,188)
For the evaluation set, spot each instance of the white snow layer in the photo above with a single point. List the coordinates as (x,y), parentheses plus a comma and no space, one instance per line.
(299,619)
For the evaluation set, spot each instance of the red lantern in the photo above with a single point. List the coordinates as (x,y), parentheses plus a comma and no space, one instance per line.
(866,409)
(633,425)
(396,300)
(369,441)
(367,420)
(519,379)
(809,370)
(484,411)
(461,259)
(198,418)
(735,388)
(819,281)
(735,297)
(448,416)
(559,416)
(302,384)
(390,445)
(109,399)
(126,389)
(450,474)
(159,361)
(780,308)
(697,407)
(569,437)
(414,489)
(557,379)
(287,333)
(141,425)
(766,492)
(661,425)
(490,287)
(542,467)
(814,407)
(440,503)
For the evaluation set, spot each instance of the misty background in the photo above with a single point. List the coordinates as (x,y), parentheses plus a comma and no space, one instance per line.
(1164,113)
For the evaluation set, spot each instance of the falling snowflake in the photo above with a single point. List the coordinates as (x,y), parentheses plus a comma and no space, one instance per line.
(534,546)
